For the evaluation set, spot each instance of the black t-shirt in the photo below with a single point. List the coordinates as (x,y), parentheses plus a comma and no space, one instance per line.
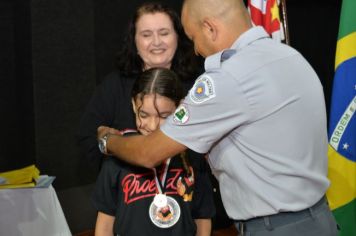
(126,192)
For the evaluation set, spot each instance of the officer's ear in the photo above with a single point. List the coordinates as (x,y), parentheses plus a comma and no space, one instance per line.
(210,28)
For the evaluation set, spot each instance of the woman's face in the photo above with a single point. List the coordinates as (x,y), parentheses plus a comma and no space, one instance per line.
(151,112)
(156,40)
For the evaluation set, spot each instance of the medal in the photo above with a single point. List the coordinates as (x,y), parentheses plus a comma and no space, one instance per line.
(164,211)
(166,216)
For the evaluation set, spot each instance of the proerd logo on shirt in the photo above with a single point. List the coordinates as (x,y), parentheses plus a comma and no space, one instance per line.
(139,186)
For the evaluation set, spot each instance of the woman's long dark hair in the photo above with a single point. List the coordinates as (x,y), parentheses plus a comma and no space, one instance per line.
(185,63)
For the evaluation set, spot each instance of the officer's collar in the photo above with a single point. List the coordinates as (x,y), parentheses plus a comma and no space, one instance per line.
(251,35)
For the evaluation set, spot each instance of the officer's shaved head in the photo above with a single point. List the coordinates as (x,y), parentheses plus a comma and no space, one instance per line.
(225,10)
(214,25)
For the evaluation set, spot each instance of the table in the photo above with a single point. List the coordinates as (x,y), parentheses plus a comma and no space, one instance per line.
(31,212)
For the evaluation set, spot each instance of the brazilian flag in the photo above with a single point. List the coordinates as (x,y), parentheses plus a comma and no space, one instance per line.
(342,127)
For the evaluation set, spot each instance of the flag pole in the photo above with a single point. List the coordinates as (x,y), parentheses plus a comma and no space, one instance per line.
(285,21)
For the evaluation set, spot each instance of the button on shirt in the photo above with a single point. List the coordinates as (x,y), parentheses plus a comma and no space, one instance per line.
(259,111)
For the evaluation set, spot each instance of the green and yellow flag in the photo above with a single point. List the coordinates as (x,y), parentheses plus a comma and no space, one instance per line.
(342,125)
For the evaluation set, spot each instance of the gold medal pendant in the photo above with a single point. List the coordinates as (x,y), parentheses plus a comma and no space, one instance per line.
(164,216)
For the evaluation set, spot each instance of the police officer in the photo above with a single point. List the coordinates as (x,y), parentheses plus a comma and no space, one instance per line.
(259,111)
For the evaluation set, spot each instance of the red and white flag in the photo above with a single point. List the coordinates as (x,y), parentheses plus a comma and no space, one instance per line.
(266,14)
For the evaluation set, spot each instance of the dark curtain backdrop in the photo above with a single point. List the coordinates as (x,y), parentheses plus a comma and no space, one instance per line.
(53,53)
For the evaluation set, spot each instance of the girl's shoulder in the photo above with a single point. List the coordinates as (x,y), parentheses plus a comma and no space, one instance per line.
(112,164)
(195,157)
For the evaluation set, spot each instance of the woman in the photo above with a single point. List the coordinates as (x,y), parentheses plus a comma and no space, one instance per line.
(155,39)
(162,201)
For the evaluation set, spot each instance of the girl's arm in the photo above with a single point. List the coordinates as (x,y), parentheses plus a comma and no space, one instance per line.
(104,225)
(203,227)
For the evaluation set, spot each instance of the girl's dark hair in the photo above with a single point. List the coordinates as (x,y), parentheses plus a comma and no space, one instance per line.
(164,82)
(159,81)
(185,63)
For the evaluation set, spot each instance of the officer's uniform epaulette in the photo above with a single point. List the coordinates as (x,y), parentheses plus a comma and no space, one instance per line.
(214,62)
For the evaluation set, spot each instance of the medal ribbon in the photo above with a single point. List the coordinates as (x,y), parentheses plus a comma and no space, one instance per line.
(161,184)
(164,211)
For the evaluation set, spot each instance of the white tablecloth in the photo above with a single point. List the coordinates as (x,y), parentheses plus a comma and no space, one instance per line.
(31,212)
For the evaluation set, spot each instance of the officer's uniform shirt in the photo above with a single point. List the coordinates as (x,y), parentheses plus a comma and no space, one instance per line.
(259,111)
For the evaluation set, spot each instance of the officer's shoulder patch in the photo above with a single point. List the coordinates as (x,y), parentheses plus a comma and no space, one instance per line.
(203,89)
(181,114)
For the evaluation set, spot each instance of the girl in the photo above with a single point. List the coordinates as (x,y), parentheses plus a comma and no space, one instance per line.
(174,198)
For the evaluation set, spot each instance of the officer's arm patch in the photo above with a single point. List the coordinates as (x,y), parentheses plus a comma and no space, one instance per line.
(181,115)
(203,89)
